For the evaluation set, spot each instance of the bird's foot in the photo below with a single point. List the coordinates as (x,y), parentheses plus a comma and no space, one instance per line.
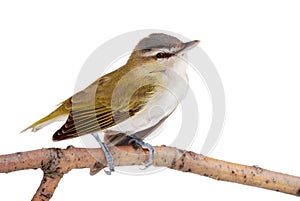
(108,155)
(144,145)
(110,161)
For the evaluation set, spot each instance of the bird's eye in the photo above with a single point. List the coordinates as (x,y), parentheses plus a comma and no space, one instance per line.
(161,55)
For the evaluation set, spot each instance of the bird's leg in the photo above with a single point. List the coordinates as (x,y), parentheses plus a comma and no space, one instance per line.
(108,155)
(144,145)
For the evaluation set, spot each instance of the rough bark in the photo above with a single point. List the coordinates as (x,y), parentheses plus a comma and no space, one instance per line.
(56,162)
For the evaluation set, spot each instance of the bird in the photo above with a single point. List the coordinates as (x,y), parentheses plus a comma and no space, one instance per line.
(129,103)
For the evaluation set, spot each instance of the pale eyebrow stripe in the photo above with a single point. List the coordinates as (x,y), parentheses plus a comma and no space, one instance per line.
(153,52)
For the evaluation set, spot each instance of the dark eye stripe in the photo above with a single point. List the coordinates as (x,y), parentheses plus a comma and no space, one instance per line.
(162,55)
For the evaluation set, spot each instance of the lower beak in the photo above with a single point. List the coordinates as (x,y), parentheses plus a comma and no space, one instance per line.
(187,46)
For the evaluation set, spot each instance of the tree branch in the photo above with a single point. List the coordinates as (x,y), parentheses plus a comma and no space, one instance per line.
(56,162)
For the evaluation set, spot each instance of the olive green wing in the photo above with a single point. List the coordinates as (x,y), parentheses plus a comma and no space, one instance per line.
(91,113)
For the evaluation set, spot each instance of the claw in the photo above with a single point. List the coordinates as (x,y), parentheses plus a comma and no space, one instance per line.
(108,155)
(108,172)
(144,145)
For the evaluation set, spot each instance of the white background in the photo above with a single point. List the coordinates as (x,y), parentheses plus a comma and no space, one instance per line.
(254,45)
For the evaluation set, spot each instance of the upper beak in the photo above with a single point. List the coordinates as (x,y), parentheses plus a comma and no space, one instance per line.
(187,46)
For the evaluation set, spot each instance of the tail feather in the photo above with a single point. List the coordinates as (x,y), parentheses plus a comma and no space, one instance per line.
(57,115)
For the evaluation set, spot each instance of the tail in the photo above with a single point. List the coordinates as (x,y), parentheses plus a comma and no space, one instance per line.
(56,115)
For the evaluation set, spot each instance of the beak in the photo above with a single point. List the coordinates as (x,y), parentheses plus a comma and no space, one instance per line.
(187,46)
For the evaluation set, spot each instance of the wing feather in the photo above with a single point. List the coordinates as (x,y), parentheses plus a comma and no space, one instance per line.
(88,115)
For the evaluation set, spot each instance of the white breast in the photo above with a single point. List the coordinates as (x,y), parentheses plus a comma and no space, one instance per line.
(161,105)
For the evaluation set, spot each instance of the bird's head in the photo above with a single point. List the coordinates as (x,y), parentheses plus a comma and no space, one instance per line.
(159,50)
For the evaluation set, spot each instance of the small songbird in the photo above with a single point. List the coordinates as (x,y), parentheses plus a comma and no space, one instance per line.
(129,103)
